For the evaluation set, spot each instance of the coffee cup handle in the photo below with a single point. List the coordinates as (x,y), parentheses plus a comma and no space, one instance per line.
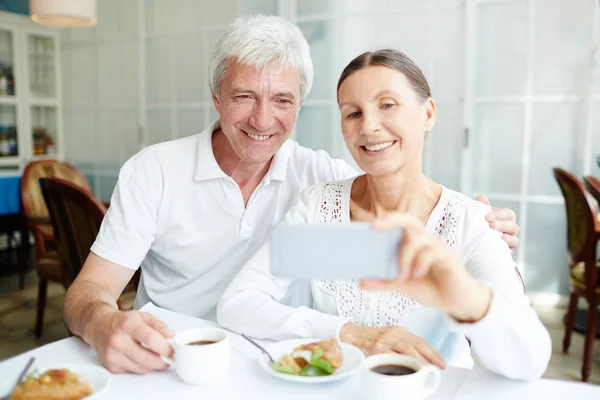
(169,360)
(432,378)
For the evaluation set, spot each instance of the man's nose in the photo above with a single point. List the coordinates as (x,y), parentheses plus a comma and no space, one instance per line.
(261,116)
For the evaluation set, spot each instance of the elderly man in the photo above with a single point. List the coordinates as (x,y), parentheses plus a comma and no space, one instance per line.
(191,212)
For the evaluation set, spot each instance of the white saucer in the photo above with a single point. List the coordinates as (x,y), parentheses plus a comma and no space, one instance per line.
(353,359)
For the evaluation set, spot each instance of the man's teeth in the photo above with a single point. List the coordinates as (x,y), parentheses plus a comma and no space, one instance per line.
(258,137)
(379,146)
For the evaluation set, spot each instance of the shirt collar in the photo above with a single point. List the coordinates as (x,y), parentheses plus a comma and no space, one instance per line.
(278,169)
(207,167)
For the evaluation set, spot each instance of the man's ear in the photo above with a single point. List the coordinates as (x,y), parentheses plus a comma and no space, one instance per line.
(216,101)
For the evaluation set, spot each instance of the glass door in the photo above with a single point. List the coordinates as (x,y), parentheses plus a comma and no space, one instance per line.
(528,104)
(317,124)
(42,71)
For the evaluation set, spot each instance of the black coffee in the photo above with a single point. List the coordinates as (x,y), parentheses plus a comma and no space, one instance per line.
(202,342)
(393,370)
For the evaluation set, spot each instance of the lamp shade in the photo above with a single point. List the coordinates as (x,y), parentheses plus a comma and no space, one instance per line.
(64,13)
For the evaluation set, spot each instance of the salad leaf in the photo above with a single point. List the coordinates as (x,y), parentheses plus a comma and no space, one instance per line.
(317,366)
(323,365)
(311,370)
(283,369)
(317,353)
(317,361)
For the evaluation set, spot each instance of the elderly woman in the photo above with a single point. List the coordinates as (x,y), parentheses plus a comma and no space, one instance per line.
(456,275)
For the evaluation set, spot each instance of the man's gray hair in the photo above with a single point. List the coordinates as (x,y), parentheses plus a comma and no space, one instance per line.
(257,41)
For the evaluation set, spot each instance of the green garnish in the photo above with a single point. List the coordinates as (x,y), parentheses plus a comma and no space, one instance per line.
(317,353)
(283,369)
(323,365)
(317,366)
(311,370)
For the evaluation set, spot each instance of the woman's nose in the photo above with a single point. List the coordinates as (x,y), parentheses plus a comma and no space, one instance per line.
(370,124)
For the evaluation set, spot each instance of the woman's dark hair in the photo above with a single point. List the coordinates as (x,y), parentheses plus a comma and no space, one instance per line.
(392,59)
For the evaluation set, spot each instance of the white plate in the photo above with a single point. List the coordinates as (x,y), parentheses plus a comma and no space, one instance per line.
(353,359)
(98,376)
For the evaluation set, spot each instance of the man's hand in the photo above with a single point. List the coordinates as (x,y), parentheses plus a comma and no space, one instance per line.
(130,341)
(394,339)
(503,220)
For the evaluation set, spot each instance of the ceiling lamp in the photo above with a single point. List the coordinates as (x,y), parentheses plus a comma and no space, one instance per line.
(64,13)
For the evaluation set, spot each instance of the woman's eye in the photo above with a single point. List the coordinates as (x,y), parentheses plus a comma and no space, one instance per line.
(354,114)
(388,105)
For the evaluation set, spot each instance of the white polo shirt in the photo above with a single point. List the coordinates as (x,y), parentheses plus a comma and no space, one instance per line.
(176,214)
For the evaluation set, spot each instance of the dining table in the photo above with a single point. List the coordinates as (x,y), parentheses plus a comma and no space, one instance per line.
(246,380)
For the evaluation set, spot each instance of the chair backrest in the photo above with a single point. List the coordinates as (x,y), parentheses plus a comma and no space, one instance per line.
(76,217)
(581,223)
(34,206)
(592,184)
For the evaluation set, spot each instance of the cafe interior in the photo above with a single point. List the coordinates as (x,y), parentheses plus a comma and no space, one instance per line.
(517,89)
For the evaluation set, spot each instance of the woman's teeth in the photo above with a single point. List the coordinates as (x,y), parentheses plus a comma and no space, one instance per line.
(258,137)
(379,146)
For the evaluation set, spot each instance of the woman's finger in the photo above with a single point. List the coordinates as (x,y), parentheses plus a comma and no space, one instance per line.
(424,260)
(412,352)
(406,253)
(432,356)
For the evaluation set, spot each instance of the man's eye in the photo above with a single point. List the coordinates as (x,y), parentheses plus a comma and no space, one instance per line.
(243,97)
(284,101)
(354,114)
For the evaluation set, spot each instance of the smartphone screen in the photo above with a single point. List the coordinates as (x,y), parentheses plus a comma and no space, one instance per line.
(333,251)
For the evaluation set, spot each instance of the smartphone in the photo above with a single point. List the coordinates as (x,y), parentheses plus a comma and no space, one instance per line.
(334,251)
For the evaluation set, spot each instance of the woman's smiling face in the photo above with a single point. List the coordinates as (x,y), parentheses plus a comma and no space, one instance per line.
(384,121)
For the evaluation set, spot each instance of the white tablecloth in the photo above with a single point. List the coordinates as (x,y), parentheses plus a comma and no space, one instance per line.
(247,381)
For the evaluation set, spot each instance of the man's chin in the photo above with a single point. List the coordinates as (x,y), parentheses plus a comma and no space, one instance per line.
(256,157)
(261,152)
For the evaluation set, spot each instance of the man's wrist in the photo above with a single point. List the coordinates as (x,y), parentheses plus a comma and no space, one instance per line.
(95,313)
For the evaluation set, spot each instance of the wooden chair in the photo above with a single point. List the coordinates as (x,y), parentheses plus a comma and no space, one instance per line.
(76,216)
(582,237)
(34,207)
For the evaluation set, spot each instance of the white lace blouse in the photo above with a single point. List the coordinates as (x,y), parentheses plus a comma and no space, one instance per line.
(509,340)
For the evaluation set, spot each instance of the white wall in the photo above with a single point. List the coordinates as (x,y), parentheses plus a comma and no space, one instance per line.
(100,91)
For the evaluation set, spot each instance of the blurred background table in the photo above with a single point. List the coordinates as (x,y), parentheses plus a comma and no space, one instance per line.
(14,233)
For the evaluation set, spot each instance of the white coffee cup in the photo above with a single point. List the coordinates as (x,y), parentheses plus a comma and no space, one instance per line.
(415,386)
(201,364)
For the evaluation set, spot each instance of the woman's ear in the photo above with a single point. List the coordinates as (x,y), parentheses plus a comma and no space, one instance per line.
(429,114)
